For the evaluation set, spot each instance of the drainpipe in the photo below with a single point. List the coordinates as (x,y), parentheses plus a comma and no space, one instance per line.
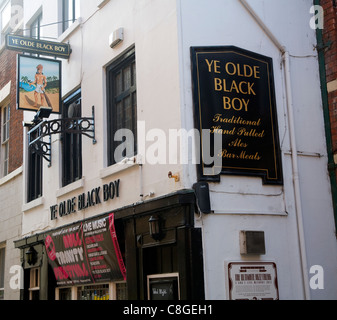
(297,193)
(325,100)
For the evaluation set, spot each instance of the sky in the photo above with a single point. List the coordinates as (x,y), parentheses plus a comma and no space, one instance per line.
(28,67)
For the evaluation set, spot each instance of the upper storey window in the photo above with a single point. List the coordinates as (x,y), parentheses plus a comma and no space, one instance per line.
(70,13)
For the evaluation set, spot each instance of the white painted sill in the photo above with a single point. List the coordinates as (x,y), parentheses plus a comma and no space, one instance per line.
(118,167)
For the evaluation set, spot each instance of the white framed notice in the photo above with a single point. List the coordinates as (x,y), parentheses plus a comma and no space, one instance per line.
(253,281)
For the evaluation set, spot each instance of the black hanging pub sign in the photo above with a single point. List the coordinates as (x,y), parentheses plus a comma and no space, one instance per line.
(36,46)
(235,109)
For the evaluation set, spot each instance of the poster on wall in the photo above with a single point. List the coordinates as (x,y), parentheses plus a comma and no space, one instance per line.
(234,102)
(85,253)
(253,281)
(38,83)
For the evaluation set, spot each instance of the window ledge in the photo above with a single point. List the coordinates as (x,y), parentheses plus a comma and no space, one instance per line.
(33,204)
(70,188)
(118,167)
(11,176)
(5,92)
(70,30)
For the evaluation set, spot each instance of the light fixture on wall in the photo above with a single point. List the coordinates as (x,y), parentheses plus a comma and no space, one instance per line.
(116,37)
(31,256)
(43,112)
(154,227)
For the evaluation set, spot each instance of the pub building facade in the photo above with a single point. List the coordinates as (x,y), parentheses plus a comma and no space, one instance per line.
(176,150)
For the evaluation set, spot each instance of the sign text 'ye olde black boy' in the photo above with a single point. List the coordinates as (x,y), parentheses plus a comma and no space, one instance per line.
(234,99)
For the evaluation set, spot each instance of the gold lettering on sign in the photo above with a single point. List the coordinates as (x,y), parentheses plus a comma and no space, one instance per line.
(246,88)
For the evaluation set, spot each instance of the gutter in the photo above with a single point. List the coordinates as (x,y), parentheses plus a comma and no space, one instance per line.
(331,163)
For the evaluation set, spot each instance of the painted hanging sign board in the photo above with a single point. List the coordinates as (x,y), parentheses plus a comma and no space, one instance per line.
(235,111)
(36,46)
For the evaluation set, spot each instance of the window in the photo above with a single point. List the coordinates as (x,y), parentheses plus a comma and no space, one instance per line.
(5,19)
(121,291)
(2,273)
(72,142)
(65,294)
(34,172)
(100,292)
(70,13)
(122,107)
(34,287)
(5,116)
(35,28)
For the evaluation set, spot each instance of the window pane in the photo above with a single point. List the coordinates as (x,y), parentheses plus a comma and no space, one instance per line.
(77,8)
(5,126)
(133,74)
(122,293)
(127,78)
(35,28)
(34,173)
(118,84)
(72,142)
(70,10)
(122,105)
(2,268)
(65,294)
(100,292)
(6,148)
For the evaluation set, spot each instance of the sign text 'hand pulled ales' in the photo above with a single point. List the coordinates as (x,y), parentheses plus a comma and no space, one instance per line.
(235,110)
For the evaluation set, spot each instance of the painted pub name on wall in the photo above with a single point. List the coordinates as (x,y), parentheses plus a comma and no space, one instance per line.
(83,201)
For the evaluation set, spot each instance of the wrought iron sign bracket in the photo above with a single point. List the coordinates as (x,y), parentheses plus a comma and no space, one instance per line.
(45,129)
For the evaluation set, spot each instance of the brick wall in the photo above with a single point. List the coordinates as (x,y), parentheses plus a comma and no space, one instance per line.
(8,73)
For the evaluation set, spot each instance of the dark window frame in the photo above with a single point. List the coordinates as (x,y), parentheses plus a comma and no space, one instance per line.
(66,19)
(72,169)
(35,27)
(35,174)
(114,98)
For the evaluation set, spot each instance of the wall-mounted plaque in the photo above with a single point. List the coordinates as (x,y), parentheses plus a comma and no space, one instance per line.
(235,111)
(163,287)
(253,281)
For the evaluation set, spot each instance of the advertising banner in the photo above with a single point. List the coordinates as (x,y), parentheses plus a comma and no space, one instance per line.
(39,83)
(85,253)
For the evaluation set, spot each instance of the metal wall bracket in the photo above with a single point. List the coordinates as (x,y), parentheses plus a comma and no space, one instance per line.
(45,129)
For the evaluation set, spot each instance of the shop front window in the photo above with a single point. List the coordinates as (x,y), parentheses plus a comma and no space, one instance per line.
(100,292)
(65,294)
